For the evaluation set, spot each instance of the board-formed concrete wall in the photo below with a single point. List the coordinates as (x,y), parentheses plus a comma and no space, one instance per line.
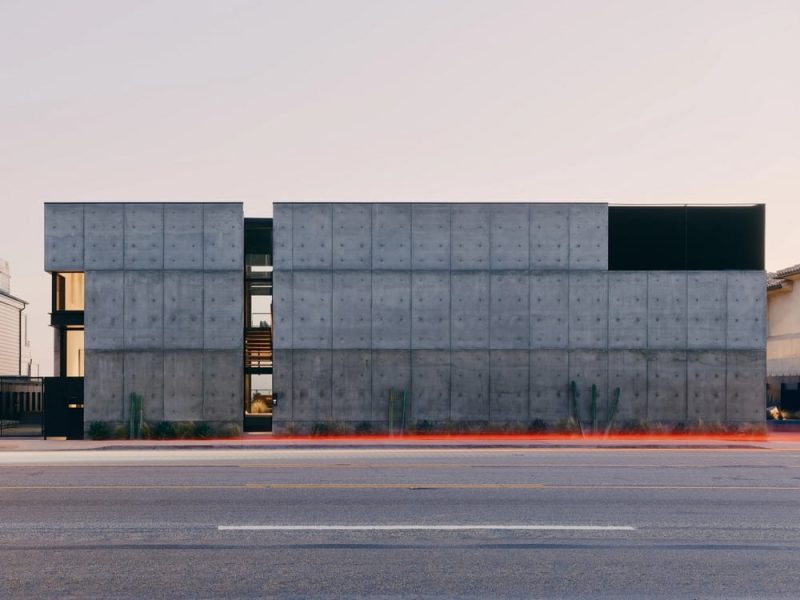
(164,305)
(485,313)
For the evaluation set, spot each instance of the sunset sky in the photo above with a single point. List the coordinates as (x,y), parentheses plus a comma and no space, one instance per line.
(674,102)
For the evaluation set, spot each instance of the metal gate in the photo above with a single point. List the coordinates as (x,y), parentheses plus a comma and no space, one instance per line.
(63,407)
(21,404)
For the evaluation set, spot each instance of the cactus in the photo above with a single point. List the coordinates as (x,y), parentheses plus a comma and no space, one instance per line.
(391,411)
(576,407)
(403,417)
(612,410)
(135,416)
(593,408)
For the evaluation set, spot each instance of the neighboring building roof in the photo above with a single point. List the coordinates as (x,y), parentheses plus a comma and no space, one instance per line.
(13,300)
(780,280)
(788,272)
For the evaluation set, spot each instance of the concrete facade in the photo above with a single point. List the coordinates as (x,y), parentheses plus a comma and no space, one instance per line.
(484,313)
(163,305)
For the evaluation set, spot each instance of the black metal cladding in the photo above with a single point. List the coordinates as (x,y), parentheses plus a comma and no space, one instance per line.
(676,238)
(258,236)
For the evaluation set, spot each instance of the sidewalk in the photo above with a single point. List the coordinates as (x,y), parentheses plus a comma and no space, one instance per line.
(773,440)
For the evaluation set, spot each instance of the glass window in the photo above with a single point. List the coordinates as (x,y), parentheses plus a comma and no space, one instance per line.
(69,291)
(260,397)
(74,350)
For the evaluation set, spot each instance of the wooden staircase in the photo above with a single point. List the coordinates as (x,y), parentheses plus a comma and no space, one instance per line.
(258,348)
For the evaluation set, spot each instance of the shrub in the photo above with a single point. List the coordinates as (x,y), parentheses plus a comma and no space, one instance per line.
(185,430)
(229,430)
(99,430)
(287,429)
(364,427)
(338,427)
(147,431)
(537,426)
(202,430)
(320,429)
(423,426)
(120,432)
(164,430)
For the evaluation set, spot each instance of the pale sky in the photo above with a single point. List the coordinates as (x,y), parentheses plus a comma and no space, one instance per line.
(410,100)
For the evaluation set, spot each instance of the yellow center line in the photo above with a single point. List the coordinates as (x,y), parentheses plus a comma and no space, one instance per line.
(398,486)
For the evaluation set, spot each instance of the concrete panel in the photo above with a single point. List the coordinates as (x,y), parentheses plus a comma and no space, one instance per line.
(391,310)
(588,368)
(311,387)
(144,310)
(666,386)
(352,385)
(391,370)
(470,227)
(705,386)
(183,388)
(549,302)
(666,311)
(352,236)
(103,229)
(282,225)
(144,375)
(430,236)
(223,311)
(510,236)
(313,298)
(223,385)
(588,310)
(549,236)
(706,311)
(282,386)
(588,236)
(183,236)
(509,386)
(627,370)
(144,236)
(469,400)
(549,399)
(391,236)
(746,386)
(747,299)
(509,311)
(430,311)
(469,320)
(103,317)
(183,309)
(627,310)
(63,237)
(430,371)
(223,237)
(282,310)
(103,391)
(352,303)
(312,236)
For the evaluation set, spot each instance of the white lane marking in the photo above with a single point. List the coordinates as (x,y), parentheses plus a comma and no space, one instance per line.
(425,528)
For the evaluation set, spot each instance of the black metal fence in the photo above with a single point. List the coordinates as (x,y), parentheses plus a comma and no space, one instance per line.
(21,406)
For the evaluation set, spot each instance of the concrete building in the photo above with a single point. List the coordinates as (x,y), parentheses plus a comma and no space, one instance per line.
(783,342)
(479,313)
(148,300)
(13,329)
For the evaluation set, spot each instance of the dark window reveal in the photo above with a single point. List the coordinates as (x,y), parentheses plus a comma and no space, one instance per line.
(670,238)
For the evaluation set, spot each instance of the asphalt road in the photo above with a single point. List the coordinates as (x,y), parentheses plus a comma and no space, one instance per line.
(587,523)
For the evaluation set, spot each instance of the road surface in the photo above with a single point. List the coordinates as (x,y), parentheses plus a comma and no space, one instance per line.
(391,523)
